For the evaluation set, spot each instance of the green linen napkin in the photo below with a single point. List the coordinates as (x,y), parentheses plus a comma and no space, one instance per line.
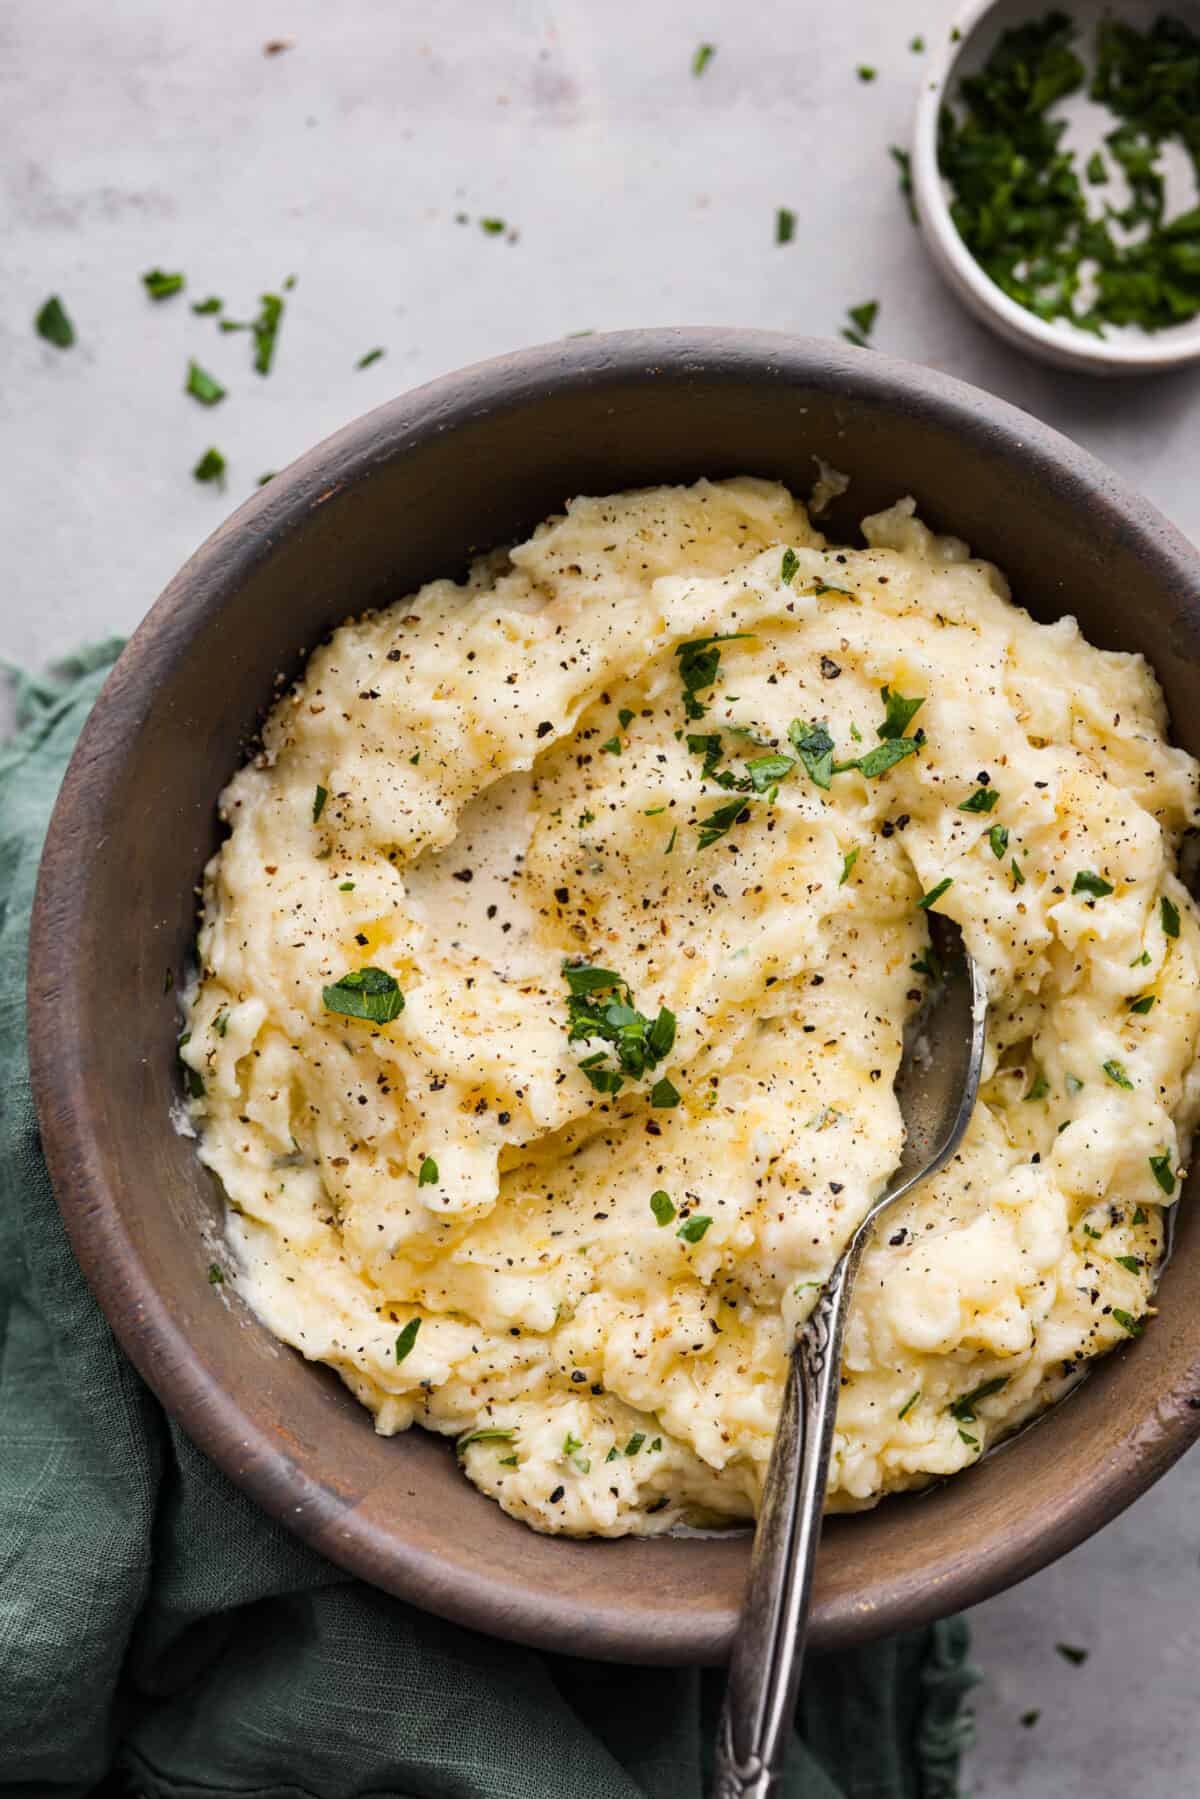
(160,1636)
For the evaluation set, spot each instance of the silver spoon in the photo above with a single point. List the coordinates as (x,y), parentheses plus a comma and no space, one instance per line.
(936,1087)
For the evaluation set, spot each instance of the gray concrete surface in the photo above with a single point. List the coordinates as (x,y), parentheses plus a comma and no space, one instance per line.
(140,133)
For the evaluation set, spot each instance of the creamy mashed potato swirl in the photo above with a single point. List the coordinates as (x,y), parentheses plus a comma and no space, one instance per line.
(589,1272)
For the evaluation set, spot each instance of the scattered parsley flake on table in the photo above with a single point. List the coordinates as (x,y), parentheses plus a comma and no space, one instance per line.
(159,285)
(202,386)
(211,467)
(862,322)
(53,324)
(903,162)
(266,331)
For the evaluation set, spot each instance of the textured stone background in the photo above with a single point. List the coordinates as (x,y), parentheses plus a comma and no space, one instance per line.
(136,133)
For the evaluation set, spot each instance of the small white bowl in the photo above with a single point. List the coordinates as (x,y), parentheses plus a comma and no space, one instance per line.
(1124,350)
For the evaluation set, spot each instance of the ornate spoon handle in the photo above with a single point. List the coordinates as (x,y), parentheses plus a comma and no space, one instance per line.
(768,1650)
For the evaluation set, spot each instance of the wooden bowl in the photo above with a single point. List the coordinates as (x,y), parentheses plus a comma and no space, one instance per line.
(400,496)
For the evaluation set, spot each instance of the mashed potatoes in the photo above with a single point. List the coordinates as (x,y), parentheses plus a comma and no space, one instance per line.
(629,835)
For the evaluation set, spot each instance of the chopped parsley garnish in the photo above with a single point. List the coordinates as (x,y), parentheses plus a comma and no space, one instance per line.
(963,1409)
(613,746)
(1133,1263)
(407,1338)
(193,1080)
(635,1442)
(53,324)
(885,756)
(862,318)
(266,331)
(693,1228)
(202,386)
(663,1094)
(785,225)
(699,661)
(929,963)
(702,58)
(1039,1086)
(204,307)
(898,713)
(717,823)
(916,45)
(814,747)
(1029,1719)
(660,1205)
(319,798)
(1087,881)
(1142,1005)
(1170,917)
(972,1442)
(935,893)
(709,745)
(508,1461)
(491,227)
(484,1436)
(600,1006)
(788,567)
(625,717)
(998,838)
(1071,1654)
(211,467)
(1073,1084)
(982,800)
(1018,874)
(767,771)
(216,1277)
(367,993)
(865,72)
(848,861)
(220,1023)
(1128,1323)
(908,1405)
(345,886)
(1116,1073)
(428,1174)
(159,285)
(1139,1216)
(1160,1168)
(365,361)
